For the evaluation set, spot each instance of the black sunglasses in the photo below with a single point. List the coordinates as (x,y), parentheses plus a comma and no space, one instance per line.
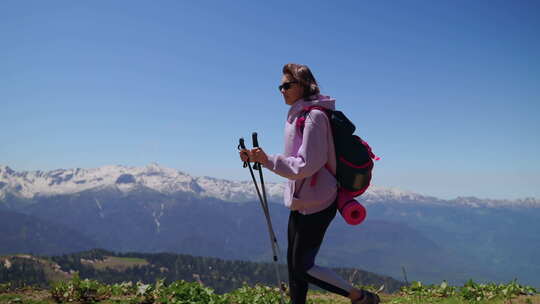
(286,85)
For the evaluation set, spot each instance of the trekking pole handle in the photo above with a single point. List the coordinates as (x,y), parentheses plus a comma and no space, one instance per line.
(241,144)
(256,166)
(255,140)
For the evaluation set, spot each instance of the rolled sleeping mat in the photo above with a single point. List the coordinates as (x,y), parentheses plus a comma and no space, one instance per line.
(351,210)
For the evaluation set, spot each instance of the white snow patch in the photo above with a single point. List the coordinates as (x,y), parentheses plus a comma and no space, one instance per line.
(100,208)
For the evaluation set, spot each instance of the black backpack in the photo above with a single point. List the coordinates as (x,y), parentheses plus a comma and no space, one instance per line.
(354,158)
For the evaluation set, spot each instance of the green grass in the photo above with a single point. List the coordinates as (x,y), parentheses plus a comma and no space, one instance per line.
(119,263)
(313,298)
(459,300)
(134,260)
(77,290)
(25,298)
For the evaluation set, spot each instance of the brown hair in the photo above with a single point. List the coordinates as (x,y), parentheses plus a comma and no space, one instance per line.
(303,75)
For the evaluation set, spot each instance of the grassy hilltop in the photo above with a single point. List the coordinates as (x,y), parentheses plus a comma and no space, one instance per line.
(76,290)
(99,276)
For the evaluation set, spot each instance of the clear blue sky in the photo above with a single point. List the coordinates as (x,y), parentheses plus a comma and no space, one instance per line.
(446,92)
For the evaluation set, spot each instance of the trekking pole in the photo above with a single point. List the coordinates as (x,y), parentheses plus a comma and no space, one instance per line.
(273,239)
(246,164)
(257,166)
(242,146)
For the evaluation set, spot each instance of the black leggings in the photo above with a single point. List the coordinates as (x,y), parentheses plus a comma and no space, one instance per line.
(305,235)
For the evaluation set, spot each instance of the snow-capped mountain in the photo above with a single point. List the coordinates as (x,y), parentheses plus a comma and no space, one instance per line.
(494,203)
(30,184)
(377,194)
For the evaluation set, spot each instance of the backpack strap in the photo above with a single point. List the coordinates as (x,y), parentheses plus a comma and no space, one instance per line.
(313,181)
(300,123)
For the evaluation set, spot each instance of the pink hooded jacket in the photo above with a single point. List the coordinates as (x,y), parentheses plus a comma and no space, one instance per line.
(305,154)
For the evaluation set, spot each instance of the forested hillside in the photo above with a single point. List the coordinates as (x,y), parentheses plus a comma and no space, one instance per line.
(110,267)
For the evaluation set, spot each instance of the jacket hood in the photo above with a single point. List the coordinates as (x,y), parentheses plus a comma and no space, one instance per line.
(319,100)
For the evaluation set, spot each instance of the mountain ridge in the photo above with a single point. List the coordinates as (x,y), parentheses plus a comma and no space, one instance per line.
(30,184)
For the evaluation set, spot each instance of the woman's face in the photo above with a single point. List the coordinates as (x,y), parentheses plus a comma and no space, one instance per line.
(294,91)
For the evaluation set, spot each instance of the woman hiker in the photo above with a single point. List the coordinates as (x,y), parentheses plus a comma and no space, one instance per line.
(308,155)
